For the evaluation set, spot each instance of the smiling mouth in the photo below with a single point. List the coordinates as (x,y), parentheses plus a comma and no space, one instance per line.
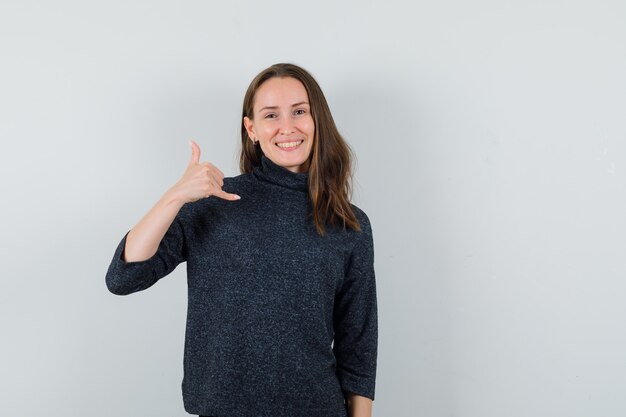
(290,145)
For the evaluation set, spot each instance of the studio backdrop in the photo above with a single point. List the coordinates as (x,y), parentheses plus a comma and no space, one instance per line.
(490,143)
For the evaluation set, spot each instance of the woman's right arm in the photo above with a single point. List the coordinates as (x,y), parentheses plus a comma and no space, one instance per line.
(199,181)
(134,266)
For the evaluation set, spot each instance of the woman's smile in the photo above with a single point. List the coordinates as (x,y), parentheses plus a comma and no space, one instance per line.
(289,146)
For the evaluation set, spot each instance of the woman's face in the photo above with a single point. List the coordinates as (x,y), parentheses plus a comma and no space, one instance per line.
(282,116)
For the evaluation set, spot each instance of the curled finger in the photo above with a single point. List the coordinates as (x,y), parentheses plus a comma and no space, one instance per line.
(227,196)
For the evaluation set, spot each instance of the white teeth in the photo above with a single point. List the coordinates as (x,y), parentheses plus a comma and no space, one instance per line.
(289,144)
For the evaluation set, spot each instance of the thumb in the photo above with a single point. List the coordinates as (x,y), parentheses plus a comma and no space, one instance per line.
(195,153)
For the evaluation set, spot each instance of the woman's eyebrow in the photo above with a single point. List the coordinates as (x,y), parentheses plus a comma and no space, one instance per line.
(275,107)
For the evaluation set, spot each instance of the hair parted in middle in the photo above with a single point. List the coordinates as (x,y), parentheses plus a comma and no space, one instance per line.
(330,161)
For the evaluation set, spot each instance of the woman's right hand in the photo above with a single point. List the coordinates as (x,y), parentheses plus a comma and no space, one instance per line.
(201,180)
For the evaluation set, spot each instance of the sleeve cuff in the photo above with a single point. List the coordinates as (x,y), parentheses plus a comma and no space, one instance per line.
(122,277)
(359,385)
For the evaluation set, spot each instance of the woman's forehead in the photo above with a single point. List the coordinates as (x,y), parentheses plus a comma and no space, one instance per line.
(281,92)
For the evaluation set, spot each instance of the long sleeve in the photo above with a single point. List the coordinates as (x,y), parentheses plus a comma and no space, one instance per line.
(124,278)
(356,319)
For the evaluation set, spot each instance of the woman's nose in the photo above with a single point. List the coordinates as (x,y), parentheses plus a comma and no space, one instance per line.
(286,126)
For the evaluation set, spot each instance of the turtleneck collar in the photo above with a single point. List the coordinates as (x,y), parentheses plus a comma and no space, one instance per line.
(271,172)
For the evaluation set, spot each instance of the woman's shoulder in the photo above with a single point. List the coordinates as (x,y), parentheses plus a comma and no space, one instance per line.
(237,183)
(363,237)
(362,218)
(362,241)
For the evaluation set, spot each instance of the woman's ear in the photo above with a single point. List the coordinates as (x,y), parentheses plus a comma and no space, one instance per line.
(248,123)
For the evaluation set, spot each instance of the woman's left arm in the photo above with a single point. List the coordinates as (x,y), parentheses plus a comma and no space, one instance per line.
(355,318)
(358,406)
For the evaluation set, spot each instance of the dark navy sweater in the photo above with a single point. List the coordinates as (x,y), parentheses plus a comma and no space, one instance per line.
(280,320)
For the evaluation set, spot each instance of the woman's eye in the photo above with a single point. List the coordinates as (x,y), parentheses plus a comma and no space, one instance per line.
(269,115)
(300,110)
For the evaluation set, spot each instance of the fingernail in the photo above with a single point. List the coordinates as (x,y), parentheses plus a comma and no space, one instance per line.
(237,197)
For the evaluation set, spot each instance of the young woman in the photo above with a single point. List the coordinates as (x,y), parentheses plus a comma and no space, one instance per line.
(282,310)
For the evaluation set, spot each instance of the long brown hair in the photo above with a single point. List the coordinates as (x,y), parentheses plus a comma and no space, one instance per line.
(330,161)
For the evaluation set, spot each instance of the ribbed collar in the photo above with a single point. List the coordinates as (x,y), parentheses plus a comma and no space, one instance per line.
(271,172)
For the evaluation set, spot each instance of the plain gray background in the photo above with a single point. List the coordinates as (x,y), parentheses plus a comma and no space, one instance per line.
(490,138)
